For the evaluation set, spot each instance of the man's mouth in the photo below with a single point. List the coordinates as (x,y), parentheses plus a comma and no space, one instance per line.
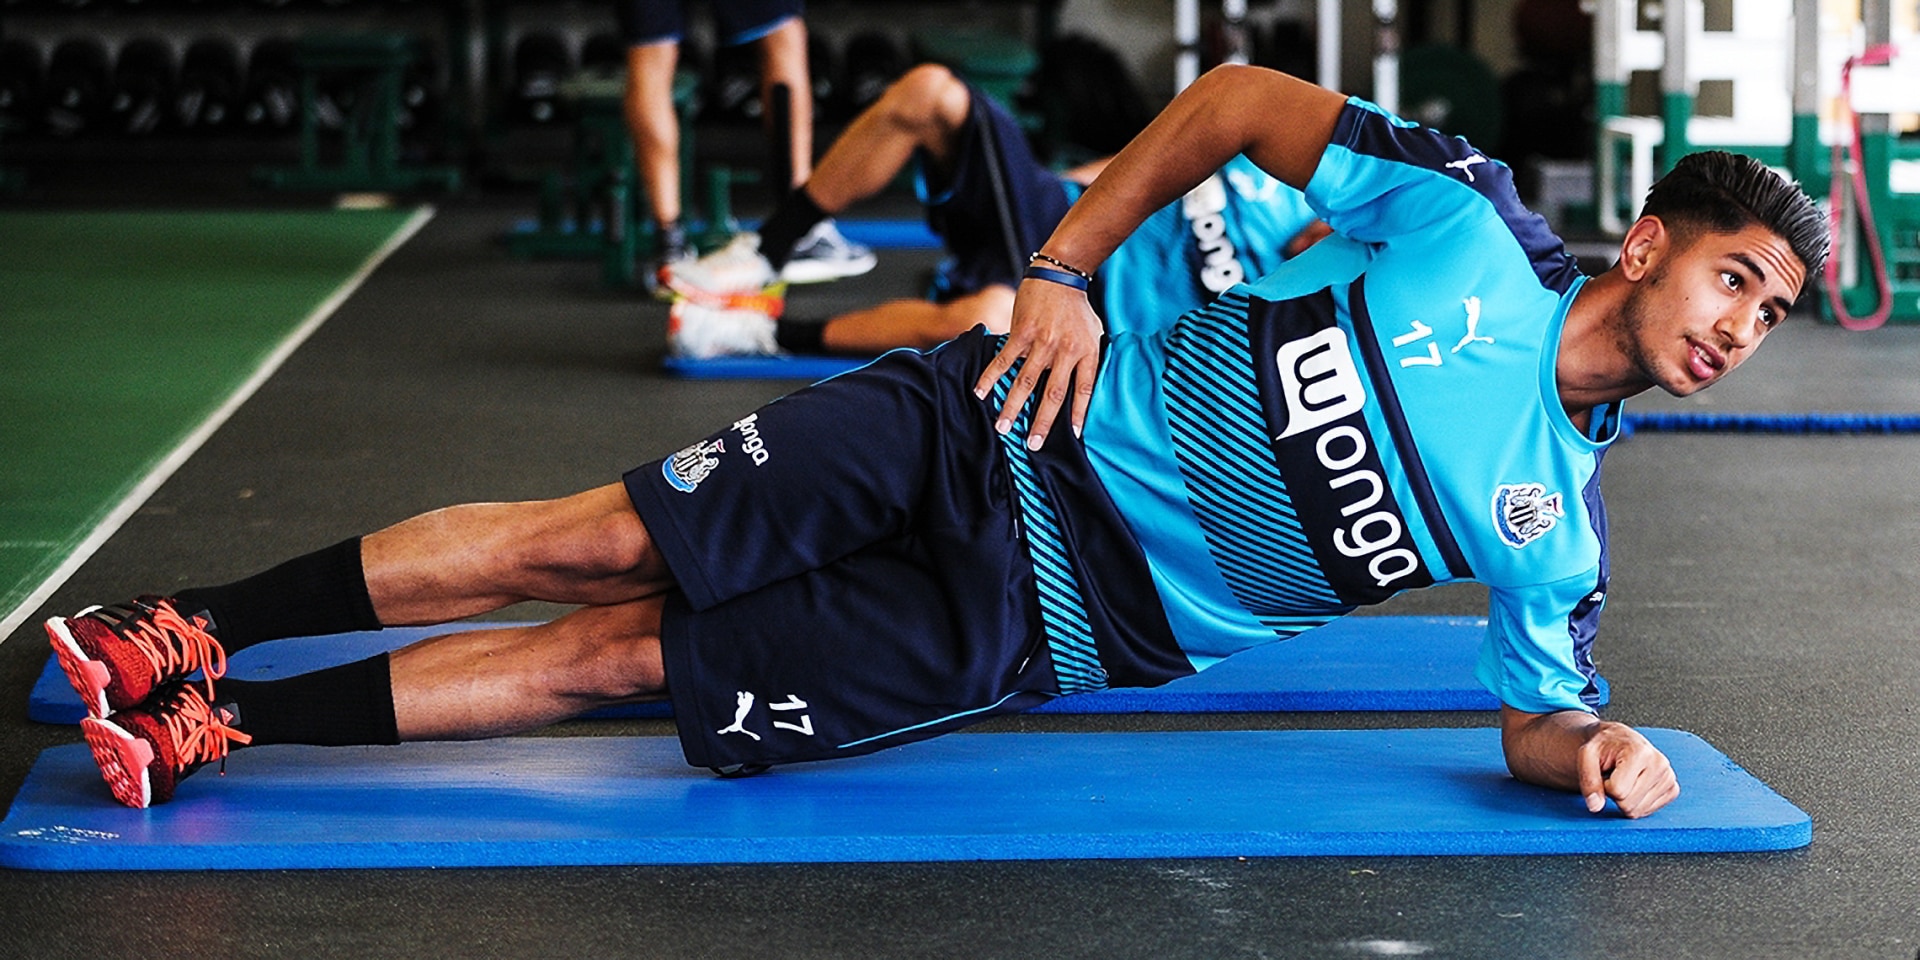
(1703,361)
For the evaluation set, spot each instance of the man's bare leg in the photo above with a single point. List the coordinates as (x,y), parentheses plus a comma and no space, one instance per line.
(655,127)
(923,110)
(491,683)
(917,323)
(590,548)
(783,60)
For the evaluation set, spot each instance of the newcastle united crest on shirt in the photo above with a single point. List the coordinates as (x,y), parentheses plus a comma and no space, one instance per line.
(685,470)
(1524,512)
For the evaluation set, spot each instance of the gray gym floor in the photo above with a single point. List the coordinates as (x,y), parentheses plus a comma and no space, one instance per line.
(1759,600)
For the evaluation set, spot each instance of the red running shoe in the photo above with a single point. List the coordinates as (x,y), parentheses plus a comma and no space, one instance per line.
(116,656)
(145,752)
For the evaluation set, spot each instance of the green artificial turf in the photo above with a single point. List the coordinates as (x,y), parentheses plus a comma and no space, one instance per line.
(121,333)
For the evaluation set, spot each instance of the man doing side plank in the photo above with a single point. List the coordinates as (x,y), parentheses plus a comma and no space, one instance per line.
(895,553)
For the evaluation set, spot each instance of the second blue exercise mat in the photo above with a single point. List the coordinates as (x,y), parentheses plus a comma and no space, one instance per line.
(1356,663)
(785,366)
(536,801)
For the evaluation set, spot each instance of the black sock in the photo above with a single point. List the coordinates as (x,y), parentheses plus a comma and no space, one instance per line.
(796,214)
(322,592)
(670,240)
(347,705)
(800,336)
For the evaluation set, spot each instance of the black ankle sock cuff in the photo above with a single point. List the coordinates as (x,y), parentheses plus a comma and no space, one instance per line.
(796,214)
(671,237)
(322,592)
(347,705)
(800,336)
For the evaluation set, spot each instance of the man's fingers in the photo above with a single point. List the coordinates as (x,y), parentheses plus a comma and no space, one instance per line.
(1058,346)
(999,365)
(1083,377)
(1642,783)
(1593,784)
(1652,794)
(1038,356)
(1051,399)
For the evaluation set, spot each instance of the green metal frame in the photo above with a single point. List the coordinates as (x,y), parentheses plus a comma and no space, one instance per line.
(596,208)
(369,156)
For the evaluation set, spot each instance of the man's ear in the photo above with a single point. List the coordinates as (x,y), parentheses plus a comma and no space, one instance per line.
(1645,243)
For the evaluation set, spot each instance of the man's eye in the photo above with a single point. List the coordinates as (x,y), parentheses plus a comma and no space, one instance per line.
(1768,318)
(1731,279)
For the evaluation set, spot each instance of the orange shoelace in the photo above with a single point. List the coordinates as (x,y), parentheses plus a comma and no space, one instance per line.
(176,646)
(200,733)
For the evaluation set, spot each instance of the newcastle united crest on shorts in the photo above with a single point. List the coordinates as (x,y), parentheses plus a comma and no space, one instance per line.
(685,470)
(1524,512)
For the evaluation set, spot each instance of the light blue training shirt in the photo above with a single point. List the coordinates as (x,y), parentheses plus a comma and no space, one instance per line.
(1376,415)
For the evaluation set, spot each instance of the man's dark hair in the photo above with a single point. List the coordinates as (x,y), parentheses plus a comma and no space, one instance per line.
(1724,192)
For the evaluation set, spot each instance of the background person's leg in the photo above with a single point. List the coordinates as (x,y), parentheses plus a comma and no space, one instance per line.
(783,61)
(656,134)
(924,110)
(921,324)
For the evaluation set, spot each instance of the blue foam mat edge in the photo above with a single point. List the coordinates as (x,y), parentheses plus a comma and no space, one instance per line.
(784,366)
(616,800)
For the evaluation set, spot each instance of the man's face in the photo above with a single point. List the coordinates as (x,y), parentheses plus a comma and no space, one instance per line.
(1706,303)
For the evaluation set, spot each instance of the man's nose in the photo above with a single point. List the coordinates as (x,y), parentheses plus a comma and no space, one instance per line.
(1740,327)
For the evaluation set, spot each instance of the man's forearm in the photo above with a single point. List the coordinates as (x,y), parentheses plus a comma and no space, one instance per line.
(1281,123)
(1544,748)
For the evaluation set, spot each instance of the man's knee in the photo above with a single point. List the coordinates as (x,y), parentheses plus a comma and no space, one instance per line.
(610,653)
(620,545)
(649,92)
(784,48)
(928,95)
(595,535)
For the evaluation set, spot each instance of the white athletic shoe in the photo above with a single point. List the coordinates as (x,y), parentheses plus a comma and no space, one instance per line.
(700,332)
(721,278)
(823,254)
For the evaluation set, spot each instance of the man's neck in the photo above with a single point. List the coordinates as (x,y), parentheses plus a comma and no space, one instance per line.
(1591,369)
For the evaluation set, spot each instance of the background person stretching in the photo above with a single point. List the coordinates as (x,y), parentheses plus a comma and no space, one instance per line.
(653,30)
(1239,224)
(897,552)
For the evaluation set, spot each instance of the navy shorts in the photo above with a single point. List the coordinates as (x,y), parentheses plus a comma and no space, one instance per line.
(846,585)
(852,571)
(735,21)
(963,211)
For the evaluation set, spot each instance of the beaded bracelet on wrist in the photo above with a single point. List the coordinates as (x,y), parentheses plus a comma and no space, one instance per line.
(1062,264)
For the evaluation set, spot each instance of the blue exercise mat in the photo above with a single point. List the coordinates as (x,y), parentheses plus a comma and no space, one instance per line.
(1703,421)
(890,234)
(786,366)
(1355,663)
(537,801)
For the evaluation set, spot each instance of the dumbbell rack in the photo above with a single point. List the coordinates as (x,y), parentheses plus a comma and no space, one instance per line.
(434,33)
